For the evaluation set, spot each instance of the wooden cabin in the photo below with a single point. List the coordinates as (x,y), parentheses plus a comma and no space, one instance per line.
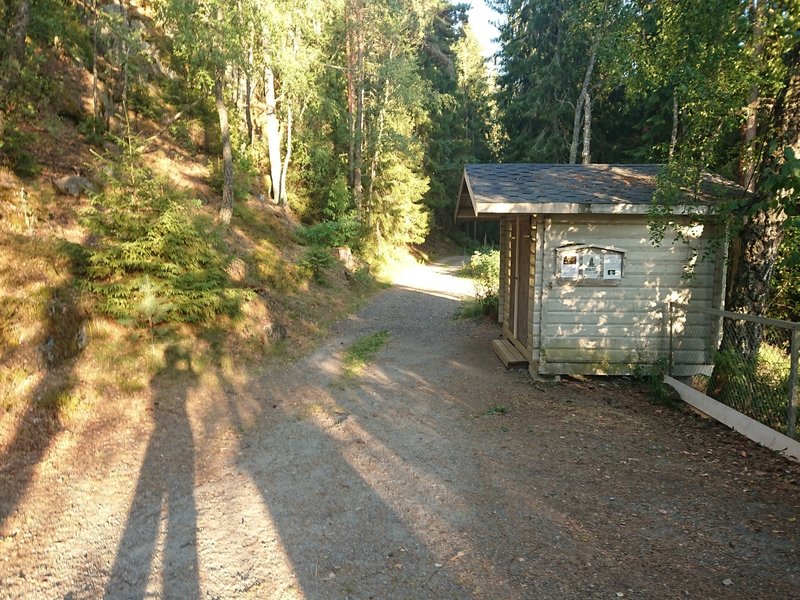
(583,290)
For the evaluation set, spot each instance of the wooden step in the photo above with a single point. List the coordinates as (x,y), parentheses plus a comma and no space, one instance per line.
(509,354)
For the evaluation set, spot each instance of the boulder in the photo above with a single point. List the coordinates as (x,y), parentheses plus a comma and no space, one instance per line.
(274,332)
(73,185)
(69,105)
(237,270)
(345,256)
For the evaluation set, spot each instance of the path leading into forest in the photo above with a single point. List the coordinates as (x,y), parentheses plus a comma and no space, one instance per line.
(436,474)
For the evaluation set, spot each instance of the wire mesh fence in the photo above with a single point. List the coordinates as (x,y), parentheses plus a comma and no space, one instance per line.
(748,363)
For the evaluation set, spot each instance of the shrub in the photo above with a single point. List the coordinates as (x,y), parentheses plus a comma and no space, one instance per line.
(758,388)
(345,231)
(484,268)
(316,260)
(156,248)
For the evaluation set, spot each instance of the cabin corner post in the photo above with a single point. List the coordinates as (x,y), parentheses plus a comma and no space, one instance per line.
(671,319)
(792,404)
(502,301)
(532,243)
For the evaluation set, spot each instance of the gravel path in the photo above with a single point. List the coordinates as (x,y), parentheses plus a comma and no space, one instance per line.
(435,474)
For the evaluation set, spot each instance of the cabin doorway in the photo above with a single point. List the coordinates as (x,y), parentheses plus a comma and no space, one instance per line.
(520,264)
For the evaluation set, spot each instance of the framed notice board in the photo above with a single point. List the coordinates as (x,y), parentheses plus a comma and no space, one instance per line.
(589,265)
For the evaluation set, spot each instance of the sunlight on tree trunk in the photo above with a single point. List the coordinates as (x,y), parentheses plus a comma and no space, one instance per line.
(580,105)
(587,129)
(273,135)
(673,140)
(226,210)
(287,157)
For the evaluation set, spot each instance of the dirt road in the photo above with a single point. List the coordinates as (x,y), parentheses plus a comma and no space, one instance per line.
(435,474)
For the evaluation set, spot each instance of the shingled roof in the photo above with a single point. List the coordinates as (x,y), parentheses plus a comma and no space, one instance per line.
(493,189)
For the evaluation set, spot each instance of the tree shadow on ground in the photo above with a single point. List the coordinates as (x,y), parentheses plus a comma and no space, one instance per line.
(351,523)
(163,508)
(63,338)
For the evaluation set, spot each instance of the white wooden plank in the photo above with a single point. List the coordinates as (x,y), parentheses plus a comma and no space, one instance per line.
(626,343)
(601,356)
(750,428)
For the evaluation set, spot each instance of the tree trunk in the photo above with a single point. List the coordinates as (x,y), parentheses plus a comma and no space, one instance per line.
(16,22)
(124,67)
(587,129)
(354,49)
(287,157)
(95,98)
(576,123)
(673,141)
(760,235)
(350,73)
(376,149)
(248,98)
(226,210)
(358,134)
(18,30)
(273,135)
(748,168)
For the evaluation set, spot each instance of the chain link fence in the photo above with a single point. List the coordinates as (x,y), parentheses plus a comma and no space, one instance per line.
(748,363)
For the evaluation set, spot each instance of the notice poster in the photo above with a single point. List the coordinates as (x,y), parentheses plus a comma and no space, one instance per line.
(569,266)
(613,266)
(592,265)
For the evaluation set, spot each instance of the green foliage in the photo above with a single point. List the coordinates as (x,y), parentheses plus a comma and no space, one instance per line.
(460,108)
(317,259)
(15,149)
(362,352)
(484,268)
(496,410)
(345,231)
(786,286)
(246,172)
(652,375)
(398,215)
(758,388)
(93,130)
(158,258)
(470,309)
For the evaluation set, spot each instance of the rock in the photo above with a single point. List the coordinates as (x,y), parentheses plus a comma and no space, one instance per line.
(345,256)
(274,332)
(727,582)
(82,338)
(73,185)
(237,270)
(69,106)
(48,350)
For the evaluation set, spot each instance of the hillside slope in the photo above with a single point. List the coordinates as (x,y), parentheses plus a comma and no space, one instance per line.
(110,249)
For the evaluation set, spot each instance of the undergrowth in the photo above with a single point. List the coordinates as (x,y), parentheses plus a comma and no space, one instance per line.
(484,269)
(362,352)
(159,258)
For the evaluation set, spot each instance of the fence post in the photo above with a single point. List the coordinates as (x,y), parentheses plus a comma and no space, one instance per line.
(791,409)
(671,333)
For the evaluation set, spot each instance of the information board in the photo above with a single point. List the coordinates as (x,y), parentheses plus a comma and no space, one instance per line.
(589,263)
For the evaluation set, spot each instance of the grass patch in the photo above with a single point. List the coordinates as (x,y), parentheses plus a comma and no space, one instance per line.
(362,352)
(497,409)
(470,309)
(61,399)
(310,411)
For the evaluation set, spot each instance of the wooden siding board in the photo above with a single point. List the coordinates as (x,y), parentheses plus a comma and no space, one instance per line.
(538,278)
(606,328)
(531,288)
(501,307)
(507,317)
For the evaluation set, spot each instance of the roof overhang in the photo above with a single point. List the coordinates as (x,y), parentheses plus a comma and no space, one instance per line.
(469,208)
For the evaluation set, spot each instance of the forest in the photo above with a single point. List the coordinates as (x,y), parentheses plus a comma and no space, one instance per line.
(357,116)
